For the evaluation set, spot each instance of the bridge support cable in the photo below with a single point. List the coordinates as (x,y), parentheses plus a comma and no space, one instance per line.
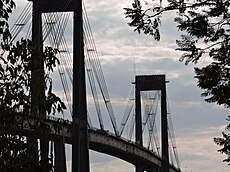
(98,72)
(55,23)
(147,104)
(65,63)
(171,155)
(90,124)
(154,140)
(55,37)
(128,110)
(26,15)
(89,53)
(94,90)
(59,4)
(172,138)
(66,59)
(57,41)
(86,38)
(173,144)
(132,125)
(96,66)
(21,21)
(151,101)
(65,87)
(152,124)
(59,22)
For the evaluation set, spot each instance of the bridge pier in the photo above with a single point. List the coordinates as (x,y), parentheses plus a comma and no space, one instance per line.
(59,153)
(154,168)
(34,144)
(139,168)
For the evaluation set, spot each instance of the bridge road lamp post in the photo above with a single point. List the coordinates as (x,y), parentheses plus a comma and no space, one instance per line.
(80,148)
(148,83)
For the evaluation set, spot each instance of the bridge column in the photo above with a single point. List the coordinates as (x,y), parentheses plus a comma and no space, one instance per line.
(80,145)
(59,155)
(153,168)
(138,121)
(156,169)
(37,77)
(139,168)
(34,145)
(164,129)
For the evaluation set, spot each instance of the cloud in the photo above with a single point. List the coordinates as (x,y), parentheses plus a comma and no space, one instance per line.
(112,166)
(104,163)
(198,152)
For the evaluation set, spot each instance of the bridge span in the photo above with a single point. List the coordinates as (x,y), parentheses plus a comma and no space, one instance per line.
(100,141)
(46,22)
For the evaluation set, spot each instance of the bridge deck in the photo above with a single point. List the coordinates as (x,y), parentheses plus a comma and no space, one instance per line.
(100,141)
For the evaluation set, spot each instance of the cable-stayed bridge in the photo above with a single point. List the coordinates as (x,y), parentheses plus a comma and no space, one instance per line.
(144,147)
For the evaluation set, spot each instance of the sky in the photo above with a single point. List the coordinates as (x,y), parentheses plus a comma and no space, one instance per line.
(124,53)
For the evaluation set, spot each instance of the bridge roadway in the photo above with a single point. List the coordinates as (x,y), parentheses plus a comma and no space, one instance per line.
(100,141)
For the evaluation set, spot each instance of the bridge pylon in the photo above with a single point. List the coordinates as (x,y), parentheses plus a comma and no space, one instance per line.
(80,145)
(151,83)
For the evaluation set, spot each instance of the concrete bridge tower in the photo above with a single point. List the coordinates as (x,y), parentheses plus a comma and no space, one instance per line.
(80,148)
(149,83)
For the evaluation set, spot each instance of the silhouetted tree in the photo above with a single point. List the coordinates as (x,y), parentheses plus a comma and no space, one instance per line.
(15,80)
(205,26)
(15,97)
(224,142)
(206,32)
(6,7)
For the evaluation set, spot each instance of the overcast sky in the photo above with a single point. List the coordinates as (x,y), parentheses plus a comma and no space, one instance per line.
(123,53)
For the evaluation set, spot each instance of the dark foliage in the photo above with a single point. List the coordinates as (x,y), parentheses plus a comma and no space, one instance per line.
(206,33)
(6,7)
(207,30)
(15,79)
(15,98)
(224,142)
